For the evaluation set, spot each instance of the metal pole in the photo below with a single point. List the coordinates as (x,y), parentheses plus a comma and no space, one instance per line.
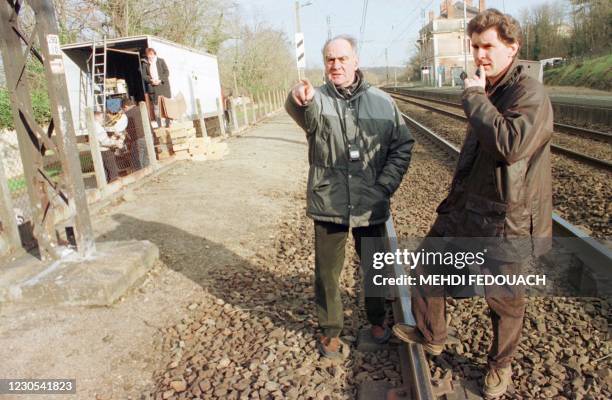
(298,29)
(387,64)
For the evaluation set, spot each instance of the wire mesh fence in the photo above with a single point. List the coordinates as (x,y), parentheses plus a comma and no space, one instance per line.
(120,144)
(13,169)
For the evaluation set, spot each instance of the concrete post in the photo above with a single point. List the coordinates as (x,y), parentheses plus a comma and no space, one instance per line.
(275,100)
(244,111)
(10,231)
(94,146)
(253,110)
(220,116)
(270,102)
(200,116)
(235,126)
(146,125)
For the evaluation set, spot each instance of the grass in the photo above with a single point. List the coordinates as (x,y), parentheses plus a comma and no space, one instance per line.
(17,184)
(595,73)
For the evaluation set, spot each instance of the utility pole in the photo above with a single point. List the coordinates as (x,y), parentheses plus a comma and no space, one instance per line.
(387,64)
(299,40)
(329,32)
(465,49)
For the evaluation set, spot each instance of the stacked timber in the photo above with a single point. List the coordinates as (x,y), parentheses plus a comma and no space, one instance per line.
(174,141)
(181,141)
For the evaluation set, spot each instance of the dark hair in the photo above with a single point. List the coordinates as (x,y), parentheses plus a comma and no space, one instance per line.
(150,50)
(508,28)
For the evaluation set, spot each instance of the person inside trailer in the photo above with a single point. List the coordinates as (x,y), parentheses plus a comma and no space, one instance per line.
(156,76)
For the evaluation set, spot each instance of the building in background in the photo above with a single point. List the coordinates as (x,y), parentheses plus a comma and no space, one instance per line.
(193,73)
(443,51)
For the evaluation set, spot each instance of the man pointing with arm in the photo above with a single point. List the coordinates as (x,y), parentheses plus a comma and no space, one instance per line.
(359,149)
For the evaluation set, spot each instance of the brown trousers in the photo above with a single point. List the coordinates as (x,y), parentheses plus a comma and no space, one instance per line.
(506,311)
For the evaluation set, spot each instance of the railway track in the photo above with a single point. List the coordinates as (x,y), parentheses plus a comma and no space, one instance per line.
(573,123)
(559,127)
(415,368)
(578,156)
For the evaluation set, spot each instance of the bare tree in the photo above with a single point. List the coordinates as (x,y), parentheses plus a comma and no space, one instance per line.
(261,59)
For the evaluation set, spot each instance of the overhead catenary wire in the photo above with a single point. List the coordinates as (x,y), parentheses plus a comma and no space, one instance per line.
(408,25)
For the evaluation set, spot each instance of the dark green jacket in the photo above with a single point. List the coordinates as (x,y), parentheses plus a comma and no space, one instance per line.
(352,193)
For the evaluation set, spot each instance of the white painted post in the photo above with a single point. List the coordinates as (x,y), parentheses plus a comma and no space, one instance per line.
(200,117)
(244,111)
(253,110)
(270,102)
(146,125)
(94,147)
(220,116)
(235,126)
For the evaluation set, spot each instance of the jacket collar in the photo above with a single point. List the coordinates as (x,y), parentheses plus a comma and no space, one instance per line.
(356,89)
(509,77)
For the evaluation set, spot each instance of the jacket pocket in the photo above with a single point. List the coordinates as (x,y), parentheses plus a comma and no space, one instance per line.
(374,201)
(484,217)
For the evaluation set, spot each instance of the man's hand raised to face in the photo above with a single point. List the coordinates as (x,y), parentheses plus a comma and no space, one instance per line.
(478,80)
(303,92)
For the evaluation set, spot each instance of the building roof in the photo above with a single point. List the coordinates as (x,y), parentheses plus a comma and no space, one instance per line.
(128,39)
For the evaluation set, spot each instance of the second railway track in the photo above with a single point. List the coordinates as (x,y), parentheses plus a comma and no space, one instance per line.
(586,146)
(581,192)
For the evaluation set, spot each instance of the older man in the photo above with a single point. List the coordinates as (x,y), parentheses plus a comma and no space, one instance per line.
(359,149)
(501,191)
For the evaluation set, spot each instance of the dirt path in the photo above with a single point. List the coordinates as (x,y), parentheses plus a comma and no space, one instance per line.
(205,218)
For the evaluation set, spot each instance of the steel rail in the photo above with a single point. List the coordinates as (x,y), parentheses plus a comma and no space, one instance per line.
(581,157)
(559,127)
(595,256)
(414,366)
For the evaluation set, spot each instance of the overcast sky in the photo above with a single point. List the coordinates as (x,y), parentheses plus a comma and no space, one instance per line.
(392,24)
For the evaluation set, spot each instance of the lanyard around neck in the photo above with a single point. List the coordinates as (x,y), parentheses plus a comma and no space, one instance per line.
(342,116)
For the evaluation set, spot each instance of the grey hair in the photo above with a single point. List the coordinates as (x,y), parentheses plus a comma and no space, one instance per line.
(352,41)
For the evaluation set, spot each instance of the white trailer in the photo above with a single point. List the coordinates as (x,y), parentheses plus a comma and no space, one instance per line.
(193,73)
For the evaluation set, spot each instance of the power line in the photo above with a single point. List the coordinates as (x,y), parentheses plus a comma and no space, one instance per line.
(406,29)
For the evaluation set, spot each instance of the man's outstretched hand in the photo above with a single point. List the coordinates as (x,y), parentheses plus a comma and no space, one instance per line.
(303,92)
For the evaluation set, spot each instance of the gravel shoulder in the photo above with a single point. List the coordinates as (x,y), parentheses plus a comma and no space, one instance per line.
(206,218)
